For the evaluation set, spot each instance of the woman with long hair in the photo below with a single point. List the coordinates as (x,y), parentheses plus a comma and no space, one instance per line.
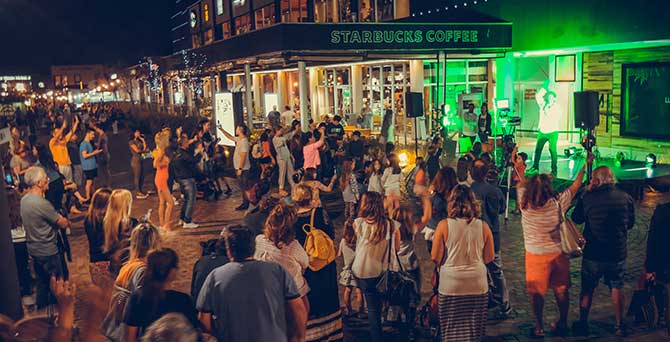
(435,202)
(434,154)
(373,240)
(404,243)
(165,200)
(546,265)
(462,247)
(153,300)
(325,318)
(117,225)
(278,244)
(391,182)
(375,177)
(93,225)
(144,239)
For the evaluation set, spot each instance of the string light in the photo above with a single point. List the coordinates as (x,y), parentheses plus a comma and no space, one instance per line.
(446,8)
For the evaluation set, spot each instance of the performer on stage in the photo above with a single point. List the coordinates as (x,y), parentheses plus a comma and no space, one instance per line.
(470,123)
(548,126)
(484,124)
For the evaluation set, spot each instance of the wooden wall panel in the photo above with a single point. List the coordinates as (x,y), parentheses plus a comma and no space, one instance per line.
(602,73)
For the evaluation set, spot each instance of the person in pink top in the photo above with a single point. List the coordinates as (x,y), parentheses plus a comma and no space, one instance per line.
(311,149)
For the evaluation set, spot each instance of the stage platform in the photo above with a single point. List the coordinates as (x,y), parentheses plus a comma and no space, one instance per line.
(632,176)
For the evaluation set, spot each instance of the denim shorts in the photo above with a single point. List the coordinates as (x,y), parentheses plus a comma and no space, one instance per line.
(592,271)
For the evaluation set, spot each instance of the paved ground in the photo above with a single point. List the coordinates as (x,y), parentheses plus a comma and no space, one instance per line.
(213,215)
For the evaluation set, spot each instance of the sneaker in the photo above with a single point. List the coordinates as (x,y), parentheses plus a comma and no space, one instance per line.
(580,328)
(190,225)
(620,330)
(141,196)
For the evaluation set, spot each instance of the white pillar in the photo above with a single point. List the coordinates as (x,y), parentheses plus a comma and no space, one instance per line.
(281,90)
(247,92)
(302,91)
(313,90)
(170,95)
(356,89)
(257,81)
(213,94)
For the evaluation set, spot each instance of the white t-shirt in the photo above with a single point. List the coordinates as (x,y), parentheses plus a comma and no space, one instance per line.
(371,259)
(287,118)
(241,145)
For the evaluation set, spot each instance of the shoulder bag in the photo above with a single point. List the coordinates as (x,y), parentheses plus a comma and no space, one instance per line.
(572,240)
(396,287)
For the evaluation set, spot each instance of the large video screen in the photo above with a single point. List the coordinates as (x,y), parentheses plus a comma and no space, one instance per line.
(645,100)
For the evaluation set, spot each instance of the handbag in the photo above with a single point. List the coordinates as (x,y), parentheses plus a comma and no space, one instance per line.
(572,240)
(396,287)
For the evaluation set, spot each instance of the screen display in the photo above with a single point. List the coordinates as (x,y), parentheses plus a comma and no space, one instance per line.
(645,100)
(225,117)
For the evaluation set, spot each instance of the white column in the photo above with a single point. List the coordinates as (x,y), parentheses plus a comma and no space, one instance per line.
(302,91)
(356,89)
(257,81)
(313,91)
(213,94)
(170,95)
(281,90)
(247,92)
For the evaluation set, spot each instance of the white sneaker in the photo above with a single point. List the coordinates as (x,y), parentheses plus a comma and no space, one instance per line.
(190,225)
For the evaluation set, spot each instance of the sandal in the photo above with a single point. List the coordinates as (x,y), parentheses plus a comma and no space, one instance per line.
(537,333)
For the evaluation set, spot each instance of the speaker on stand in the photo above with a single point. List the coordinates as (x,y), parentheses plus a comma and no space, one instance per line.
(414,109)
(587,116)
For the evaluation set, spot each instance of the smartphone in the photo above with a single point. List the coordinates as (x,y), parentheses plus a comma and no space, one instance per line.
(9,179)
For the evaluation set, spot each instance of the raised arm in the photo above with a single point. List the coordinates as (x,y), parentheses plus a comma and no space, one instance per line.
(228,135)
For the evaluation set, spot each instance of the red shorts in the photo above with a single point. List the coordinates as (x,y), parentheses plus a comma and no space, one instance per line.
(544,271)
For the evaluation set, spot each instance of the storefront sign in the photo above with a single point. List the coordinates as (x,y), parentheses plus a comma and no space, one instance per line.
(405,36)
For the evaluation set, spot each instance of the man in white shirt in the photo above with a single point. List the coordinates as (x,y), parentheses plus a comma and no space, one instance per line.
(548,128)
(287,116)
(470,119)
(241,160)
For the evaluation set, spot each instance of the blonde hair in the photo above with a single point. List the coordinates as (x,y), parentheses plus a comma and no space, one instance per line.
(602,175)
(372,210)
(118,213)
(144,239)
(279,224)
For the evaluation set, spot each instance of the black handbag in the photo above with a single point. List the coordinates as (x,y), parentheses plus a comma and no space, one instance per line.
(396,287)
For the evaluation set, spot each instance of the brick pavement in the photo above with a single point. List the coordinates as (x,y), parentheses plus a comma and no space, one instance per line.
(213,215)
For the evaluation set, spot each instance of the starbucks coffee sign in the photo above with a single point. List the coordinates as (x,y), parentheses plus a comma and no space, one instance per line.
(345,37)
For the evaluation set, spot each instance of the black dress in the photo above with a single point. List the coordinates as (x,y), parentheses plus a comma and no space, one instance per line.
(325,321)
(433,163)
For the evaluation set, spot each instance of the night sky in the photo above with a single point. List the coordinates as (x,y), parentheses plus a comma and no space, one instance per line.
(35,34)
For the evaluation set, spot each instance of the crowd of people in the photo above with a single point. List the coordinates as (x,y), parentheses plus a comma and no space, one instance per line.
(275,278)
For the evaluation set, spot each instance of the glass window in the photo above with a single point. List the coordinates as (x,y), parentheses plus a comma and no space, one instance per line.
(195,41)
(294,11)
(219,7)
(205,10)
(57,80)
(325,11)
(384,10)
(265,16)
(209,36)
(242,24)
(77,78)
(226,30)
(65,80)
(455,71)
(477,71)
(366,11)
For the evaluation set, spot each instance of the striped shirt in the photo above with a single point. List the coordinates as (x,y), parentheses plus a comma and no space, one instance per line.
(541,234)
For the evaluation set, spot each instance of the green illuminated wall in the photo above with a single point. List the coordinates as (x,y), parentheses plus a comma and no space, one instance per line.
(552,24)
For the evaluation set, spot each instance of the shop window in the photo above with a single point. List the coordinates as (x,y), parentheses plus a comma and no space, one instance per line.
(205,10)
(209,36)
(77,78)
(226,30)
(196,41)
(219,7)
(325,11)
(477,71)
(58,80)
(375,10)
(265,16)
(65,81)
(242,24)
(366,10)
(294,11)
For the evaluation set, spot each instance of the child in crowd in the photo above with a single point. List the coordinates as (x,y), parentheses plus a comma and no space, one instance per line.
(404,242)
(349,187)
(375,179)
(391,182)
(347,251)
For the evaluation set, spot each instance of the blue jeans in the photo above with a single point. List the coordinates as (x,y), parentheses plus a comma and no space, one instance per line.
(498,291)
(374,300)
(187,187)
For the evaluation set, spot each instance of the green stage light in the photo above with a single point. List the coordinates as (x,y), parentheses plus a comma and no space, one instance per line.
(445,121)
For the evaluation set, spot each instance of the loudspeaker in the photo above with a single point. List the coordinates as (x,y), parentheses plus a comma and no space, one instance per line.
(586,109)
(413,105)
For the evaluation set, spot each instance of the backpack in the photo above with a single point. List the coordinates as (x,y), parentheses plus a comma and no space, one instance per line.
(318,245)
